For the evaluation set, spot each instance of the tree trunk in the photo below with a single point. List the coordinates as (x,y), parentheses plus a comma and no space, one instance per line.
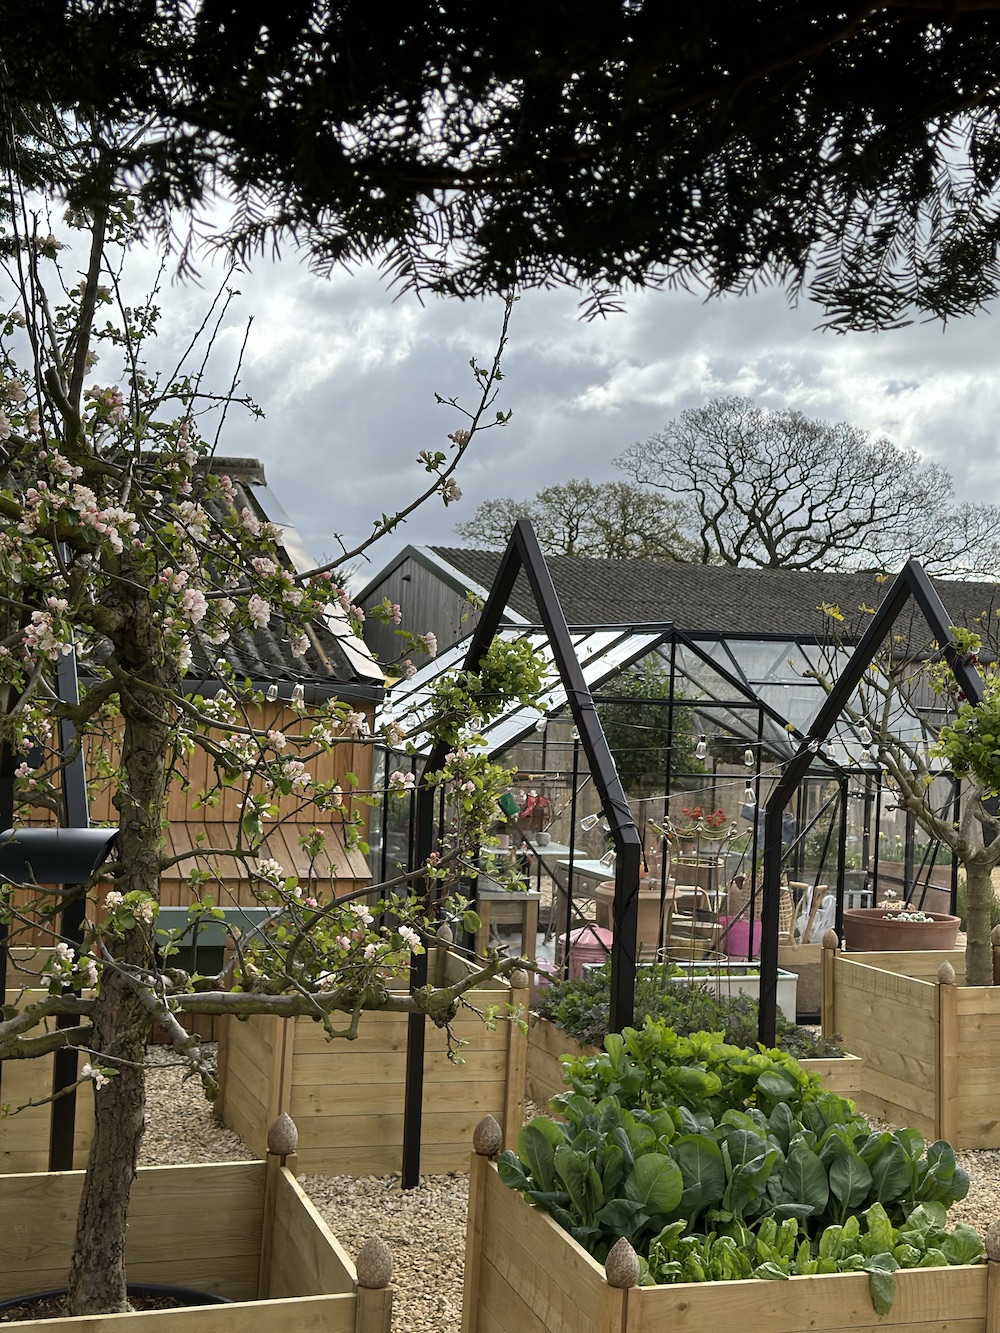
(97,1283)
(979,948)
(97,1275)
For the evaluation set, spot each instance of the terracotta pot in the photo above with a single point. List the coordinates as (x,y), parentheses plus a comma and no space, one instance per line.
(866,930)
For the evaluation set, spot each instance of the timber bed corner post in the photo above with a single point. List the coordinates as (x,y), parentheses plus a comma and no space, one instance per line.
(517,1056)
(992,1242)
(487,1140)
(374,1269)
(282,1141)
(948,1111)
(828,993)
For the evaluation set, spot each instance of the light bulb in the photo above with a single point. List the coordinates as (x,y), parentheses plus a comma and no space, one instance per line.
(299,694)
(272,693)
(541,724)
(748,757)
(574,735)
(701,749)
(588,822)
(813,747)
(608,859)
(749,795)
(865,735)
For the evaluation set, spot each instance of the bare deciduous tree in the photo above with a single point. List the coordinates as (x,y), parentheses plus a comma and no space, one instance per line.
(779,490)
(612,520)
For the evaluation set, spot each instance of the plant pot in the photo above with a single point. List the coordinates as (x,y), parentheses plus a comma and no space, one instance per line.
(735,978)
(244,1231)
(867,930)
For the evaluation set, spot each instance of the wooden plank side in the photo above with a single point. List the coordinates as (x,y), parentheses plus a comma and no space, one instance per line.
(519,1239)
(314,1070)
(306,1260)
(502,1306)
(921,964)
(317,1314)
(335,1102)
(177,1215)
(840,1074)
(234,1278)
(242,1112)
(346,1132)
(932,1299)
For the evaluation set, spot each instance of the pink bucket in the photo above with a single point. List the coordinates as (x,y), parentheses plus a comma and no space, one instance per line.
(736,936)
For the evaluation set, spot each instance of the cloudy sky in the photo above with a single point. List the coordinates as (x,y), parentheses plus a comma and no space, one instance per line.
(347,377)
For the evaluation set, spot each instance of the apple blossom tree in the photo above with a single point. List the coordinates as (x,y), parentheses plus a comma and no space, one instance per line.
(120,542)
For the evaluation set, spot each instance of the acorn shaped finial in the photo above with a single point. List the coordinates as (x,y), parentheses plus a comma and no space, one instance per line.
(487,1138)
(374,1264)
(831,940)
(946,974)
(621,1268)
(283,1136)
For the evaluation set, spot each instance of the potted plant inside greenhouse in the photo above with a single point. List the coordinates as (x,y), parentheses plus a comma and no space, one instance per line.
(120,542)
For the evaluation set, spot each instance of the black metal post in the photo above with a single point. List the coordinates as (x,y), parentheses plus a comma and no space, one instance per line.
(523,552)
(76,812)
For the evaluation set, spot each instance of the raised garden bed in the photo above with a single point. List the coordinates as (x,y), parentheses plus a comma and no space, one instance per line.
(524,1274)
(347,1096)
(931,1049)
(244,1230)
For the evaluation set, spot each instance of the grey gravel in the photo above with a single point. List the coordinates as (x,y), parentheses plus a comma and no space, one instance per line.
(425,1227)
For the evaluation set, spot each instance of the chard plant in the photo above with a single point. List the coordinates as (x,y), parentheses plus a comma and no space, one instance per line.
(718,1163)
(119,541)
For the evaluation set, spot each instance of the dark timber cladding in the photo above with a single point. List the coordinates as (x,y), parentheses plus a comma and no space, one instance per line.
(911,581)
(524,554)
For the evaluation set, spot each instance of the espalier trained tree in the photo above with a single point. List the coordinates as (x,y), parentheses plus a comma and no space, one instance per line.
(908,681)
(118,539)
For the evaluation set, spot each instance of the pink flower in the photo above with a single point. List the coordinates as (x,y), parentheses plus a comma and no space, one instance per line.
(431,643)
(400,781)
(194,605)
(258,610)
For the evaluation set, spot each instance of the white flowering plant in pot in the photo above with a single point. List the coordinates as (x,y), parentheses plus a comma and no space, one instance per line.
(119,541)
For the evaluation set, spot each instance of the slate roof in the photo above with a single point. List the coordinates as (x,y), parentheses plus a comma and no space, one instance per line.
(708,600)
(336,662)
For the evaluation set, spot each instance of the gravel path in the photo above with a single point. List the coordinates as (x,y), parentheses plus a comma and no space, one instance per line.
(424,1228)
